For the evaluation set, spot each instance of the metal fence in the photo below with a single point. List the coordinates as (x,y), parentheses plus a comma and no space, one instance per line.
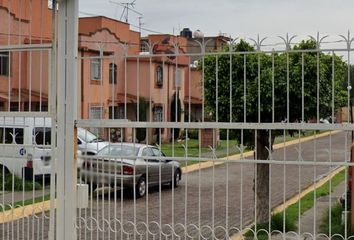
(106,135)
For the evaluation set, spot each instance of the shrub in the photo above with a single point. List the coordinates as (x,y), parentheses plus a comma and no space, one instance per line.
(193,133)
(19,184)
(232,134)
(336,225)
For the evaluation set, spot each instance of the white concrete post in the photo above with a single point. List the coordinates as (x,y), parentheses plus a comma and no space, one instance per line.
(67,114)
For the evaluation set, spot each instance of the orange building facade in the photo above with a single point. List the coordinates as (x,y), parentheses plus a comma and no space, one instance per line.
(116,78)
(23,73)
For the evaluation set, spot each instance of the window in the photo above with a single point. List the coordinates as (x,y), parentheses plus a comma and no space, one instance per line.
(119,151)
(159,76)
(144,46)
(95,69)
(147,153)
(116,112)
(157,152)
(4,64)
(158,114)
(42,136)
(112,73)
(96,112)
(86,135)
(11,135)
(14,107)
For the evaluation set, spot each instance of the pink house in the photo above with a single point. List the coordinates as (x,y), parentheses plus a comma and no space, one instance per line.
(24,74)
(117,79)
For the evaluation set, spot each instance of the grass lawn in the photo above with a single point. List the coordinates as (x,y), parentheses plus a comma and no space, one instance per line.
(26,202)
(12,182)
(292,212)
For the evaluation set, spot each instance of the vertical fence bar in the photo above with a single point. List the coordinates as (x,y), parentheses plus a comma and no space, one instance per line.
(67,102)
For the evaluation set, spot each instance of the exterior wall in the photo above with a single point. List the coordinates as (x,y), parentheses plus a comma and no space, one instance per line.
(28,70)
(193,94)
(10,25)
(101,92)
(121,31)
(98,35)
(33,12)
(160,95)
(38,62)
(194,87)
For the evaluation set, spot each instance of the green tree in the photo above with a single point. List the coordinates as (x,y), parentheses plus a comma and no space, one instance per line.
(259,64)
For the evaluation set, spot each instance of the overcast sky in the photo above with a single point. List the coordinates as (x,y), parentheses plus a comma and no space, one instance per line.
(238,18)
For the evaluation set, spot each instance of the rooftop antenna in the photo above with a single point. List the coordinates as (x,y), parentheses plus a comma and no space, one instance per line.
(127,6)
(140,23)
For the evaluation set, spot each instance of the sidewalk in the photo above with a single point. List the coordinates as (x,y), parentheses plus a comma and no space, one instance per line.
(18,196)
(311,220)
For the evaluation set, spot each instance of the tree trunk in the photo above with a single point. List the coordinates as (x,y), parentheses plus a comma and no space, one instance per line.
(262,177)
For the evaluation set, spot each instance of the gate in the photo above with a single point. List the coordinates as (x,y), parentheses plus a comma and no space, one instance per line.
(108,135)
(27,116)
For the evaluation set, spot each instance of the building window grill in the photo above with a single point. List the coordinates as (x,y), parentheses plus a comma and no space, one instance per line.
(96,112)
(159,76)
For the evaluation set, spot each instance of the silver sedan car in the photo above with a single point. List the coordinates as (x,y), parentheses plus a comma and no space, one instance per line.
(128,165)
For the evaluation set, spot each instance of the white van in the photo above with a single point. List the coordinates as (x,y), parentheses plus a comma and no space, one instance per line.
(25,146)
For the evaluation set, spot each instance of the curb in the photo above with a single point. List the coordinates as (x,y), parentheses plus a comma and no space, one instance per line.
(24,211)
(208,164)
(291,201)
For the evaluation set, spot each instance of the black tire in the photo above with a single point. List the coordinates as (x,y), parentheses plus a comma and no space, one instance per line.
(91,187)
(140,188)
(176,179)
(4,169)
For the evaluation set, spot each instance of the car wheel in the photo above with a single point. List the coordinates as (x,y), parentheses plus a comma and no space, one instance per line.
(141,188)
(91,187)
(176,179)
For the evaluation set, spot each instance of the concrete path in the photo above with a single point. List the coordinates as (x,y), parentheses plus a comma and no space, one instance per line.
(311,220)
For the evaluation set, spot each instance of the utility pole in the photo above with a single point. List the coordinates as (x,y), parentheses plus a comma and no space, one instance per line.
(140,23)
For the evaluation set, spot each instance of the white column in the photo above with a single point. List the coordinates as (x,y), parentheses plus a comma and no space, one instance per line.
(66,116)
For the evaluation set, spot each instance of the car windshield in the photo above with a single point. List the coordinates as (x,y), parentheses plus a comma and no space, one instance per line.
(86,135)
(119,151)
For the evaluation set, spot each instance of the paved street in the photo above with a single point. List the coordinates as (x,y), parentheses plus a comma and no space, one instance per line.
(219,198)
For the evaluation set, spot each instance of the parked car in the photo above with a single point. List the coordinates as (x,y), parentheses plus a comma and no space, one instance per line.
(25,146)
(88,143)
(130,166)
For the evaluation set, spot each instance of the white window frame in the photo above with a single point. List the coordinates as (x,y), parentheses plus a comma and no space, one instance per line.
(96,69)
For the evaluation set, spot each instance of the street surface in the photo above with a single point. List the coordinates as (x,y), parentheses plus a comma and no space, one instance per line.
(219,198)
